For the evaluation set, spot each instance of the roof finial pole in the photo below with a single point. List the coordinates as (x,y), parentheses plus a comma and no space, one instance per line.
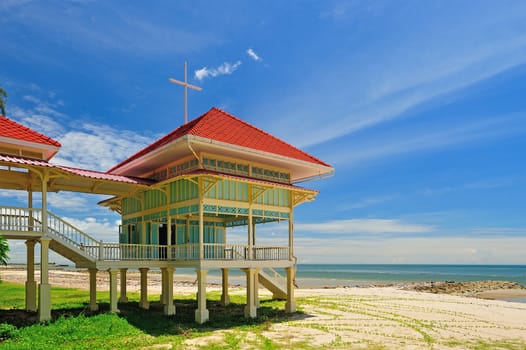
(186,86)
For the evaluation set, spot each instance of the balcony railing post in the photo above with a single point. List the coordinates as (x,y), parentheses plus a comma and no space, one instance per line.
(101,250)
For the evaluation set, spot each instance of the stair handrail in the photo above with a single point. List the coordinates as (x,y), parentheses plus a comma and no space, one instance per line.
(276,275)
(72,235)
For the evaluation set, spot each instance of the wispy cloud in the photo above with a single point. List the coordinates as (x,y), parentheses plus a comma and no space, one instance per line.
(254,55)
(100,229)
(363,226)
(106,27)
(226,68)
(382,146)
(97,146)
(367,202)
(498,231)
(431,66)
(84,145)
(75,202)
(414,250)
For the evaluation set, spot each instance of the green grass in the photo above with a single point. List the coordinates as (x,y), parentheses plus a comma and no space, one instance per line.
(75,327)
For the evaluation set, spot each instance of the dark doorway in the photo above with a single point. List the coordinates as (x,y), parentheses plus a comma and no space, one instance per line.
(163,240)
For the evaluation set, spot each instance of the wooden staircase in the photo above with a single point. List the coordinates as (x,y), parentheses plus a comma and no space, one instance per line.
(274,282)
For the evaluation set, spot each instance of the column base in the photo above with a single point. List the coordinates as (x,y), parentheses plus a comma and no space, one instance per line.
(201,316)
(44,302)
(225,299)
(123,299)
(145,305)
(250,311)
(31,296)
(290,307)
(94,307)
(169,310)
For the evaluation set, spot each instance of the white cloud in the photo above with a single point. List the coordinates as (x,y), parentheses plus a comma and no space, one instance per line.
(41,118)
(498,231)
(254,55)
(414,250)
(362,226)
(226,68)
(98,147)
(369,201)
(100,229)
(74,202)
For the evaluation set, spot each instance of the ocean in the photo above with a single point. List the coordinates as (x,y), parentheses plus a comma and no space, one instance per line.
(315,275)
(332,275)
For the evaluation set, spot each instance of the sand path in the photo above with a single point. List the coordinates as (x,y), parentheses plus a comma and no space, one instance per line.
(348,318)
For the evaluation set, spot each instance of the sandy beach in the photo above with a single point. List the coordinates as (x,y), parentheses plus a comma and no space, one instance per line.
(361,317)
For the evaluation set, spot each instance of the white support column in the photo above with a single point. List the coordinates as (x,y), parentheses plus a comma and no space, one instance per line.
(31,284)
(113,290)
(123,298)
(256,289)
(290,305)
(31,221)
(93,290)
(250,235)
(254,233)
(201,230)
(44,289)
(225,298)
(144,303)
(291,234)
(169,307)
(163,286)
(201,314)
(250,307)
(44,204)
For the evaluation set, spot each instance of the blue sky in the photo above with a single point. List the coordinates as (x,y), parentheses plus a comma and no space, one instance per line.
(419,106)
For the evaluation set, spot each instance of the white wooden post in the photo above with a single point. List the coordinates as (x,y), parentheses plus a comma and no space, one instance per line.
(93,290)
(123,298)
(144,304)
(250,307)
(169,307)
(44,289)
(201,314)
(225,298)
(290,305)
(113,290)
(31,284)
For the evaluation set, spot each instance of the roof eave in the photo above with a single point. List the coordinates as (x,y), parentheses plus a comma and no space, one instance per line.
(144,158)
(322,169)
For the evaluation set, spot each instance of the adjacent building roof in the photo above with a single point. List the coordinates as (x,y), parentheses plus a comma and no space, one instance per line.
(97,175)
(218,125)
(11,129)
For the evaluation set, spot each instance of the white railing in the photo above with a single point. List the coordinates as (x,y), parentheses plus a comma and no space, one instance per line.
(276,275)
(118,251)
(70,234)
(188,251)
(20,219)
(28,220)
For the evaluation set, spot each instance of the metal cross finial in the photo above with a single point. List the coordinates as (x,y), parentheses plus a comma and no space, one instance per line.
(186,86)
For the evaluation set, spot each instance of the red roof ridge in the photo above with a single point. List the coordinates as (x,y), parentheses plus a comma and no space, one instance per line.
(194,128)
(272,136)
(37,137)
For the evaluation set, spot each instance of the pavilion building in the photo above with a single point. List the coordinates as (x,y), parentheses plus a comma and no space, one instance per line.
(177,197)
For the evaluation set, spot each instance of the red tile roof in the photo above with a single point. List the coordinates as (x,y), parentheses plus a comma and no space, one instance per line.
(221,126)
(75,171)
(13,130)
